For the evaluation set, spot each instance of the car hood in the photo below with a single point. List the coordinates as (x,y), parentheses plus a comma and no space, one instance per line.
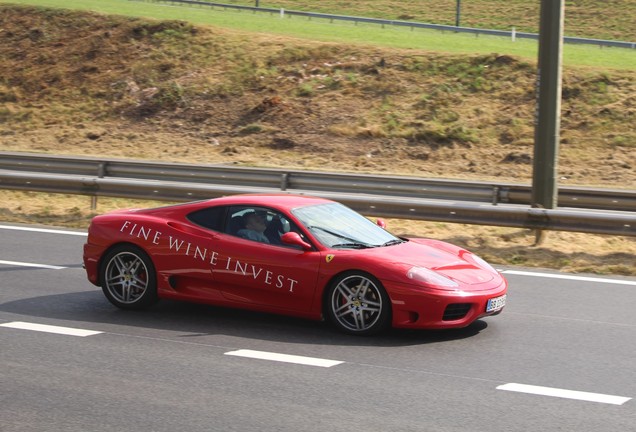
(450,261)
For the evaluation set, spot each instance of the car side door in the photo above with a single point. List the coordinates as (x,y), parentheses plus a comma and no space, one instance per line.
(266,274)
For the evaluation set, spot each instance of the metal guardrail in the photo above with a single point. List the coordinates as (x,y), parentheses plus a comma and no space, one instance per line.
(411,24)
(183,182)
(283,179)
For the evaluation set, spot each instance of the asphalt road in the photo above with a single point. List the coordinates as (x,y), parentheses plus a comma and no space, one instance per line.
(562,356)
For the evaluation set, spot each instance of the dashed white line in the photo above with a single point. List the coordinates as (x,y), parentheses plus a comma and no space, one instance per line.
(50,329)
(25,264)
(286,358)
(567,394)
(325,363)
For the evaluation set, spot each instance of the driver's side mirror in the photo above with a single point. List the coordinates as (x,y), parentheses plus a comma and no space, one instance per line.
(294,239)
(381,223)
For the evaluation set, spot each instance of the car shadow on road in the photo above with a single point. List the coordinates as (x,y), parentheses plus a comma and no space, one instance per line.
(195,322)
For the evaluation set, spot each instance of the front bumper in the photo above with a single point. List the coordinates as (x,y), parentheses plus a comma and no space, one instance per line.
(425,308)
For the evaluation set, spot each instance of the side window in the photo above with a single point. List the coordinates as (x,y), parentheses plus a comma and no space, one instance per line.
(258,224)
(211,218)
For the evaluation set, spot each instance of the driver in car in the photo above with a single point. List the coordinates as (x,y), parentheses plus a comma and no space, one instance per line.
(255,226)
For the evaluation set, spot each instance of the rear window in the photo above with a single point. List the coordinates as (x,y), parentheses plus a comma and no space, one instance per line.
(211,217)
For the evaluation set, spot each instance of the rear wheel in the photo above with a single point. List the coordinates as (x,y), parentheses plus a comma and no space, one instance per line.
(358,304)
(128,278)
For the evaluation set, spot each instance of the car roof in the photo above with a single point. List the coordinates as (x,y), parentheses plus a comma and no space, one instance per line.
(280,202)
(288,201)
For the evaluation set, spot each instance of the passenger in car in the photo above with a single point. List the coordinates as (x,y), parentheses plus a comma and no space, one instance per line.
(254,227)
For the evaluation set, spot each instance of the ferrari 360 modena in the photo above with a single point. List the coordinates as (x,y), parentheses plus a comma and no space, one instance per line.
(288,254)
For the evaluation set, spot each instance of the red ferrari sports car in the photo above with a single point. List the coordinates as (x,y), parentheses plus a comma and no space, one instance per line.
(287,254)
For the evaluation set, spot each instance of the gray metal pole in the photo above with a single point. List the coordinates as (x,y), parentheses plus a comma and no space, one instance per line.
(458,12)
(548,116)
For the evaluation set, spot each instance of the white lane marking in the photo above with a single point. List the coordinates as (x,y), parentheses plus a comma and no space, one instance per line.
(24,264)
(567,394)
(570,277)
(42,230)
(50,329)
(262,355)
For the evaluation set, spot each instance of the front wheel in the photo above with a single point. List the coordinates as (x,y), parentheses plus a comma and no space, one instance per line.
(357,303)
(128,278)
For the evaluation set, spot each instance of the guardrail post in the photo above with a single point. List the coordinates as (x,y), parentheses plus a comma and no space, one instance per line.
(101,172)
(495,195)
(284,181)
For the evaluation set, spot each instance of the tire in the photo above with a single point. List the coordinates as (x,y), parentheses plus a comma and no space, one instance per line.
(128,278)
(357,303)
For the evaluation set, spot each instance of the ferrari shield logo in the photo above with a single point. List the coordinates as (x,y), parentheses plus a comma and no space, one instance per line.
(329,257)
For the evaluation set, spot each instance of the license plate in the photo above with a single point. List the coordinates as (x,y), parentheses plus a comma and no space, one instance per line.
(494,304)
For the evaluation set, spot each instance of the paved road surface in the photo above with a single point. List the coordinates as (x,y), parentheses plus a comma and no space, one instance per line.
(562,356)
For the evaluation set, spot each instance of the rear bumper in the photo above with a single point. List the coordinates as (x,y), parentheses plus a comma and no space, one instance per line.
(91,262)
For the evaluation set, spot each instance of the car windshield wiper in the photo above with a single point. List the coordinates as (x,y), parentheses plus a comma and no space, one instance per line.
(393,242)
(352,243)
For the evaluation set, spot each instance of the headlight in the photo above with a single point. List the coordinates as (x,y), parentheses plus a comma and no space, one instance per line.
(483,264)
(422,274)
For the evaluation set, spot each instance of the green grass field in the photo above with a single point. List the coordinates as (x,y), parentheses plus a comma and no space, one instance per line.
(323,30)
(581,16)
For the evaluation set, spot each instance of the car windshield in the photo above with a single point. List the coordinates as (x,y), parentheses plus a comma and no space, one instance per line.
(337,226)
